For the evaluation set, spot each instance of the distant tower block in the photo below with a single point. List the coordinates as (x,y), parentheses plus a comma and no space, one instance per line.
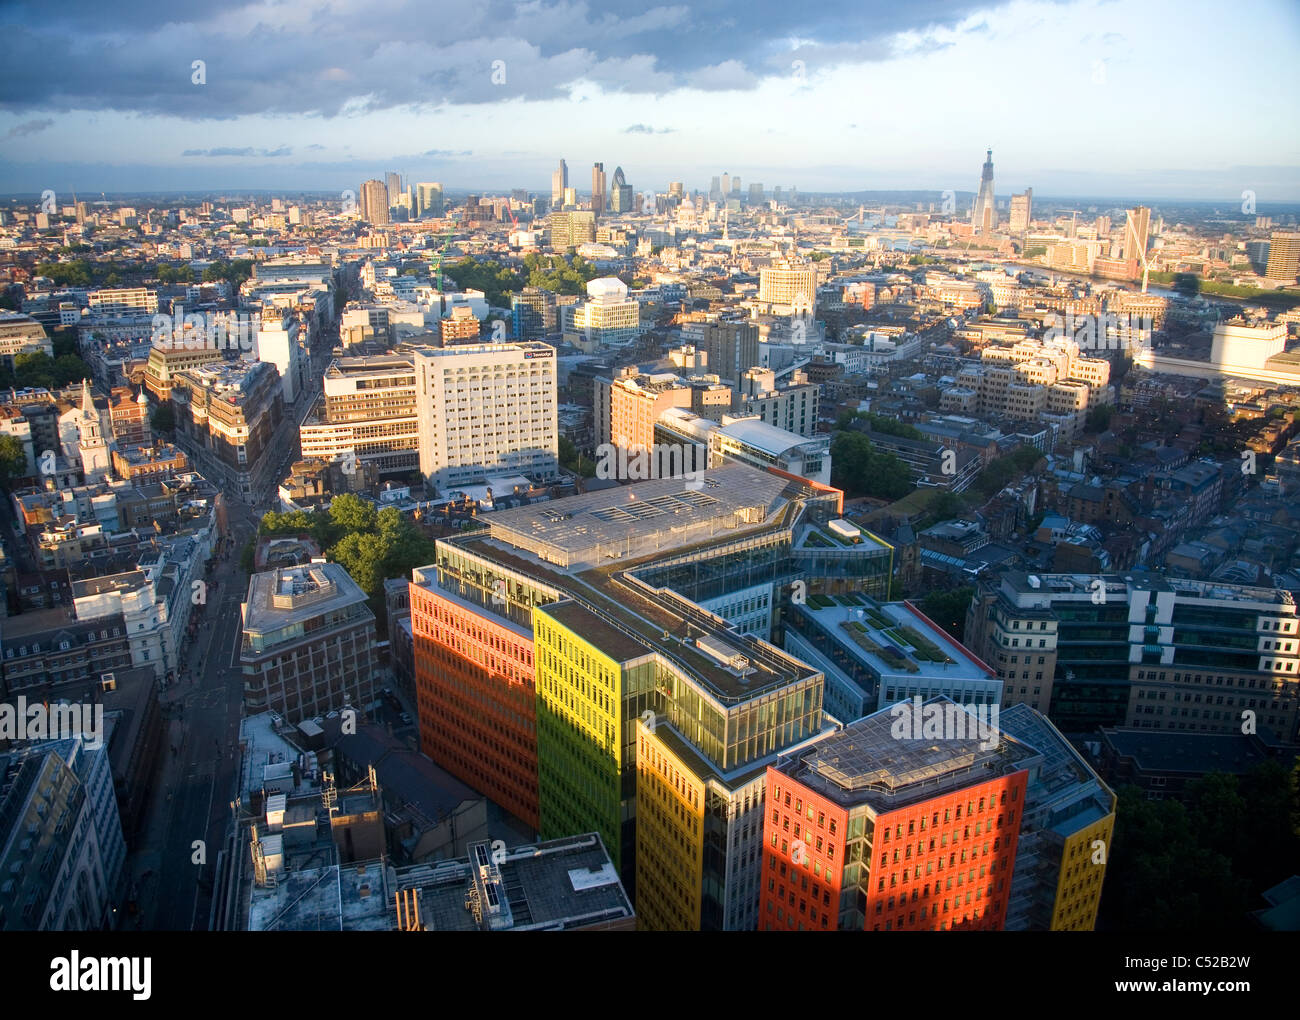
(984,215)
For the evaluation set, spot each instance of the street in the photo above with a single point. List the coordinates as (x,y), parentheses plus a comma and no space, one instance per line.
(194,786)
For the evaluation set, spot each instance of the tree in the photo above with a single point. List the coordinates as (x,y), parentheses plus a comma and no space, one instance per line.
(1099,418)
(946,505)
(948,609)
(67,369)
(351,513)
(13,459)
(64,342)
(163,418)
(1160,877)
(362,555)
(861,471)
(35,369)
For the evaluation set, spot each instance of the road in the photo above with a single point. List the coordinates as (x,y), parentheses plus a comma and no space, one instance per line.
(173,864)
(194,785)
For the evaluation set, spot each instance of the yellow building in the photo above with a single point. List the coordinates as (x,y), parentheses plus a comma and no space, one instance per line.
(1081,874)
(670,835)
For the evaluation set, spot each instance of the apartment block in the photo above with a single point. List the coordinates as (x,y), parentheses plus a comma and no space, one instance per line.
(788,288)
(635,600)
(1065,833)
(120,300)
(475,689)
(21,334)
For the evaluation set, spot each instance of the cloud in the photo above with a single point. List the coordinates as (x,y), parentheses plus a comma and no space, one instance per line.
(283,150)
(445,54)
(447,152)
(30,127)
(646,129)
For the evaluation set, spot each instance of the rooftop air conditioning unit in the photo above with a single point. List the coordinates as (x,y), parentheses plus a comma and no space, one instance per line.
(108,681)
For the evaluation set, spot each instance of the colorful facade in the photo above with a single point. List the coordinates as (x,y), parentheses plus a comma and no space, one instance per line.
(476,701)
(871,830)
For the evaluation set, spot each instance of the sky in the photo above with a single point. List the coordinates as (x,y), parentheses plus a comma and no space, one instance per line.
(1175,99)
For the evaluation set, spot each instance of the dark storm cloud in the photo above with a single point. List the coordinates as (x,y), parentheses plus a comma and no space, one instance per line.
(346,57)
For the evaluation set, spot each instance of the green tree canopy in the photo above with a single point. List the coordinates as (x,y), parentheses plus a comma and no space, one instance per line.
(860,470)
(349,512)
(13,459)
(163,418)
(948,609)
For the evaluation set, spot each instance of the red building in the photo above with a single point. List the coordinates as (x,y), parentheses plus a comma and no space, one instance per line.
(870,829)
(476,699)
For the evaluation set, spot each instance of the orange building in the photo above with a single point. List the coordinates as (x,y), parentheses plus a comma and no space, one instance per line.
(872,829)
(129,416)
(476,699)
(137,463)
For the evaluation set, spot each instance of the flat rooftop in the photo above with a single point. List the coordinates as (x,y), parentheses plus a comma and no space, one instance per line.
(884,636)
(866,763)
(563,883)
(1190,753)
(289,595)
(632,520)
(128,581)
(1049,586)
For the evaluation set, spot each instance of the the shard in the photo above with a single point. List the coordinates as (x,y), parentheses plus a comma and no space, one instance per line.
(984,215)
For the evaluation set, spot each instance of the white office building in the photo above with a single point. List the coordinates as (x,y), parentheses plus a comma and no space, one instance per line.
(485,410)
(278,342)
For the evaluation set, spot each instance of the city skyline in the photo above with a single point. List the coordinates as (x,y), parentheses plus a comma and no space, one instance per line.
(645,93)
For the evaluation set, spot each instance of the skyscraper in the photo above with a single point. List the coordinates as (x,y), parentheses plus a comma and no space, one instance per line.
(620,194)
(559,181)
(1022,211)
(726,185)
(598,188)
(428,199)
(755,193)
(984,214)
(394,184)
(1283,256)
(1136,237)
(374,202)
(715,189)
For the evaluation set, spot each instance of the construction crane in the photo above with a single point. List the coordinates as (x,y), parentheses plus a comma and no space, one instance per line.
(1140,245)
